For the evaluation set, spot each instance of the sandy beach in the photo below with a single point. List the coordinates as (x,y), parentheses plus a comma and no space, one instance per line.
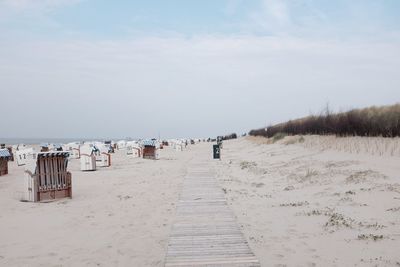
(118,216)
(297,204)
(307,205)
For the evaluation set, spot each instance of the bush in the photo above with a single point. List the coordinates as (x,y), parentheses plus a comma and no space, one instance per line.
(229,136)
(374,121)
(278,136)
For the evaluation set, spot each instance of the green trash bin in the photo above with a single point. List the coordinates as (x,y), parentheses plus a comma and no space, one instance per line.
(216,152)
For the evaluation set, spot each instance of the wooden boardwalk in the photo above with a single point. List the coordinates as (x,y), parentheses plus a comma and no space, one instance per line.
(205,232)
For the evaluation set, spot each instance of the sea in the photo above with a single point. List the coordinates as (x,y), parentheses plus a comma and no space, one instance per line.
(34,141)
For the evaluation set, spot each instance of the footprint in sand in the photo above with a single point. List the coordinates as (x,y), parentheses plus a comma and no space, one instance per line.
(289,250)
(279,256)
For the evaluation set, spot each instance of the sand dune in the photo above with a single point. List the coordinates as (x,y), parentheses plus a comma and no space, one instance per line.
(307,204)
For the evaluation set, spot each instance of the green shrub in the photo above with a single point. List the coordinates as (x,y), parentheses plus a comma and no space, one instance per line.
(278,136)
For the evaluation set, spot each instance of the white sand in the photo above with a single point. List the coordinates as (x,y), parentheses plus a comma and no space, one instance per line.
(298,205)
(118,216)
(312,207)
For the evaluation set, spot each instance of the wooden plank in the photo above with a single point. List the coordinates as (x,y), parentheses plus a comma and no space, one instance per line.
(46,173)
(205,232)
(55,172)
(59,172)
(41,171)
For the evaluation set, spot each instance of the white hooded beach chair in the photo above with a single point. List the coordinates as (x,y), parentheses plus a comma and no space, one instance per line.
(73,149)
(103,157)
(88,157)
(46,177)
(24,155)
(121,144)
(133,149)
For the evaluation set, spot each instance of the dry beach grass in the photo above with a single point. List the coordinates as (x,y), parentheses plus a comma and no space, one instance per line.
(373,121)
(313,203)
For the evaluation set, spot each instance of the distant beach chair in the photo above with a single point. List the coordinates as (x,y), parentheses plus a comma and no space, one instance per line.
(44,147)
(133,149)
(55,147)
(121,144)
(73,149)
(103,157)
(111,145)
(150,150)
(24,155)
(88,157)
(5,156)
(46,177)
(179,144)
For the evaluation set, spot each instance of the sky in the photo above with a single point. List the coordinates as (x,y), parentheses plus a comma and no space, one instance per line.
(179,68)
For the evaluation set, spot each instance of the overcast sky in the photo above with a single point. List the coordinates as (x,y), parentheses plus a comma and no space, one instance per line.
(178,68)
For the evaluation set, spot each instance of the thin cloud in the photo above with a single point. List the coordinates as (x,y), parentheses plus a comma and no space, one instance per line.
(366,20)
(232,6)
(187,87)
(29,12)
(278,10)
(35,4)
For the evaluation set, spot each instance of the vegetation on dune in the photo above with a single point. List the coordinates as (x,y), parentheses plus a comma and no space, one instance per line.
(374,121)
(229,136)
(278,136)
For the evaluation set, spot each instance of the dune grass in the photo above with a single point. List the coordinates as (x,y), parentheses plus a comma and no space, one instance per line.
(373,121)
